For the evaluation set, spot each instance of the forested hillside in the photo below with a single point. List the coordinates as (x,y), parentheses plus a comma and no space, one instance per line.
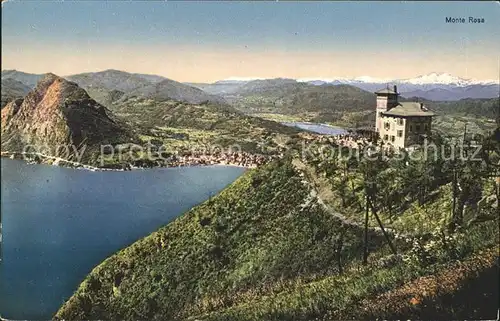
(291,97)
(181,125)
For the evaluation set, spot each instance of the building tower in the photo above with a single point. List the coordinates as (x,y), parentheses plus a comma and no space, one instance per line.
(386,99)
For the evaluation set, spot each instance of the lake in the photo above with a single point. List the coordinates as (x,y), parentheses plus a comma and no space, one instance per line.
(317,128)
(59,223)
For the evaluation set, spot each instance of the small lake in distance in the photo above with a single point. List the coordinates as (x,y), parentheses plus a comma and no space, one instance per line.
(317,128)
(59,223)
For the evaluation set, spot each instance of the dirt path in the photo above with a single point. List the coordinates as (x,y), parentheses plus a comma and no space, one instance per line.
(321,192)
(324,195)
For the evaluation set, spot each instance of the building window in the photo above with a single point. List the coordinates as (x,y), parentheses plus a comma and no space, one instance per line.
(393,138)
(386,137)
(425,127)
(417,128)
(400,133)
(387,125)
(411,128)
(400,121)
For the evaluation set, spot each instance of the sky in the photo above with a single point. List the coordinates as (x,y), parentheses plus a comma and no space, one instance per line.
(208,41)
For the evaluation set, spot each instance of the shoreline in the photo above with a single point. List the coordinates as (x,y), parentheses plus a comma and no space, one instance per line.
(38,159)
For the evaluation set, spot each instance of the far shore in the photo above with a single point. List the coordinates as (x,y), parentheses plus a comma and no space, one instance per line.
(247,161)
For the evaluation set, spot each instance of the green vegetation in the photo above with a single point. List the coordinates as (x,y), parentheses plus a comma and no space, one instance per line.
(259,236)
(348,296)
(445,123)
(12,90)
(184,126)
(454,125)
(58,113)
(285,242)
(350,107)
(278,117)
(412,186)
(294,98)
(356,119)
(486,108)
(478,115)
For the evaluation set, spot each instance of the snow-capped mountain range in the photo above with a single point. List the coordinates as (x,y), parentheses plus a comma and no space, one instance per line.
(434,78)
(447,79)
(433,86)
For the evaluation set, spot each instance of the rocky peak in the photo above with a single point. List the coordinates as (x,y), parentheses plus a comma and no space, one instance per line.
(58,112)
(10,110)
(60,88)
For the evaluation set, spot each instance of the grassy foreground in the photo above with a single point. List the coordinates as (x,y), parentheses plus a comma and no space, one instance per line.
(269,247)
(259,236)
(265,249)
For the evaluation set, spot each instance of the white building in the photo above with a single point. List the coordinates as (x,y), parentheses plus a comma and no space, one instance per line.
(401,124)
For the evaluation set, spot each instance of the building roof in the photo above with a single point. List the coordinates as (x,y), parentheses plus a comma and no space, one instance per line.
(409,109)
(387,91)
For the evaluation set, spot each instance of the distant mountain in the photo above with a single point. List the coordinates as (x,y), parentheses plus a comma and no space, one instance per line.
(169,89)
(28,79)
(149,113)
(317,82)
(110,80)
(435,86)
(221,87)
(445,79)
(488,108)
(291,97)
(350,105)
(232,86)
(151,78)
(229,87)
(104,96)
(264,85)
(434,78)
(109,85)
(60,113)
(456,93)
(12,90)
(432,94)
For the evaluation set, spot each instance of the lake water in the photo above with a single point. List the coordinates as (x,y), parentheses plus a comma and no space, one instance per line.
(317,128)
(58,223)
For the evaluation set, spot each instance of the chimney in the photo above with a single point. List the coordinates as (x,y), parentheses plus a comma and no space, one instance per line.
(395,89)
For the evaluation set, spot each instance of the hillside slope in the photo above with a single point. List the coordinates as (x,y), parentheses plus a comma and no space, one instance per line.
(266,249)
(488,108)
(181,124)
(109,85)
(58,114)
(456,93)
(262,234)
(170,89)
(291,97)
(12,89)
(27,79)
(221,87)
(110,80)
